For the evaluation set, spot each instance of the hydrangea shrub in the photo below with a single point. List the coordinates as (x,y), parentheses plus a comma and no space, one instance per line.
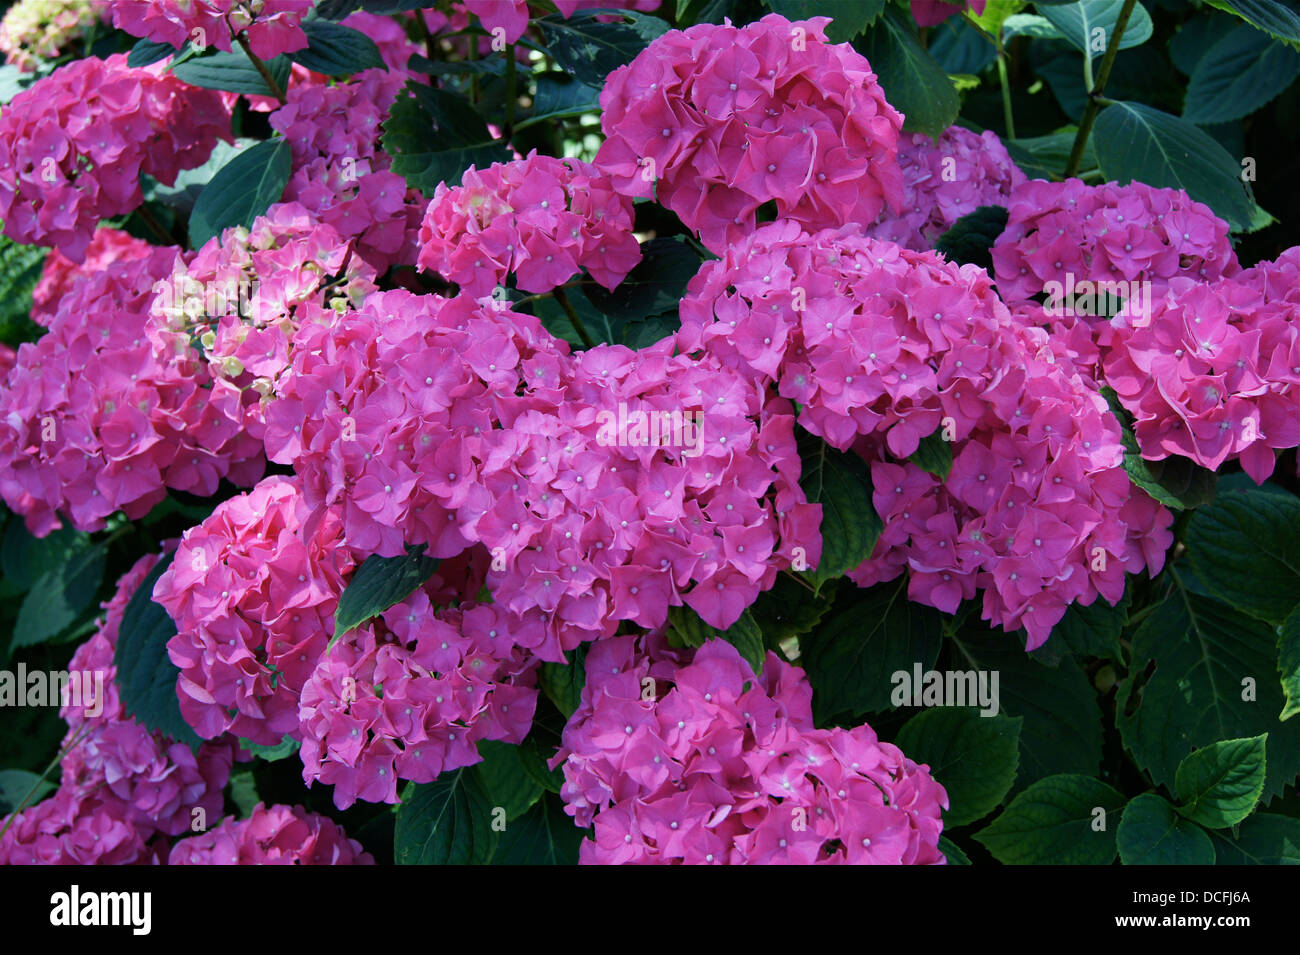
(745,432)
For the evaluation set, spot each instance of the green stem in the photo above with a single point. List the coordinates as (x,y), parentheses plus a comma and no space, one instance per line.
(1006,95)
(1095,101)
(425,35)
(41,778)
(580,328)
(261,68)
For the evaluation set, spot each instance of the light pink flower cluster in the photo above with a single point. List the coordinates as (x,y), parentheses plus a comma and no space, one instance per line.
(121,785)
(511,16)
(715,121)
(411,696)
(159,781)
(60,274)
(253,593)
(1215,375)
(942,183)
(272,27)
(724,767)
(243,295)
(540,219)
(1106,233)
(882,348)
(274,835)
(341,175)
(93,419)
(35,30)
(73,145)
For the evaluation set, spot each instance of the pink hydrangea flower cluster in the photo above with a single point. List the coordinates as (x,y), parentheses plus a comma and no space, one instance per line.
(35,30)
(93,419)
(724,767)
(272,835)
(73,145)
(341,175)
(243,295)
(715,121)
(539,218)
(271,27)
(122,784)
(928,13)
(159,781)
(60,274)
(253,593)
(881,348)
(1106,233)
(943,182)
(511,16)
(1215,375)
(411,695)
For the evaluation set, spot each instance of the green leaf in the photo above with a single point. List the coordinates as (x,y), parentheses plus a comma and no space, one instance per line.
(58,596)
(913,82)
(544,835)
(934,455)
(20,270)
(188,185)
(744,634)
(1176,482)
(1052,823)
(972,236)
(445,822)
(841,484)
(1079,21)
(1094,630)
(1272,17)
(494,66)
(25,558)
(789,609)
(1246,548)
(1288,663)
(146,676)
(504,782)
(1045,157)
(15,784)
(589,49)
(1032,25)
(1264,839)
(1202,658)
(974,757)
(233,72)
(1152,833)
(146,52)
(960,48)
(243,792)
(288,746)
(1062,731)
(336,50)
(850,19)
(1136,142)
(953,852)
(655,286)
(1238,75)
(558,96)
(379,583)
(563,682)
(434,135)
(241,190)
(872,634)
(1219,785)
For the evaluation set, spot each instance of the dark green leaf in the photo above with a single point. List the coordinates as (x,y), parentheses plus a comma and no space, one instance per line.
(558,96)
(953,852)
(1055,822)
(1288,663)
(1094,630)
(336,50)
(591,50)
(544,835)
(379,583)
(58,596)
(913,82)
(841,484)
(146,676)
(434,135)
(849,19)
(972,236)
(1264,839)
(20,270)
(25,558)
(1176,482)
(1241,73)
(16,784)
(445,822)
(974,757)
(655,286)
(504,781)
(241,190)
(495,66)
(563,682)
(1219,785)
(934,455)
(233,72)
(288,746)
(1137,142)
(744,634)
(790,609)
(1273,18)
(1078,23)
(1152,833)
(146,52)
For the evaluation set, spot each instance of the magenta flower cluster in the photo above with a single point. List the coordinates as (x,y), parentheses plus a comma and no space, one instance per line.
(715,121)
(72,147)
(688,757)
(270,27)
(539,219)
(272,835)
